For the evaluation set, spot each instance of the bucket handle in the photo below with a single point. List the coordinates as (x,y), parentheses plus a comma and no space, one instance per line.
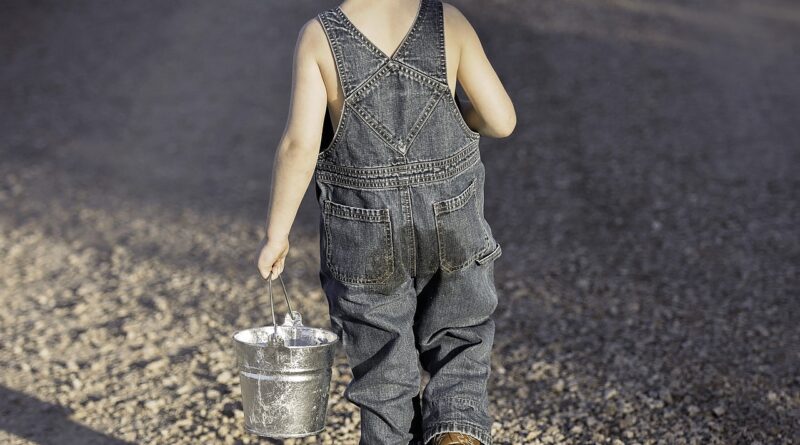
(274,335)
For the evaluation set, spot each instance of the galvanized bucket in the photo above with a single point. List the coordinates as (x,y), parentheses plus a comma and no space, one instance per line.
(285,374)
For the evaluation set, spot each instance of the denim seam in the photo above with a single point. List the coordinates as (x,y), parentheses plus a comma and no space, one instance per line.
(412,232)
(357,213)
(369,83)
(340,128)
(341,80)
(356,34)
(422,119)
(421,77)
(456,202)
(377,127)
(442,54)
(402,51)
(401,175)
(344,74)
(443,58)
(402,69)
(496,252)
(453,106)
(469,149)
(415,179)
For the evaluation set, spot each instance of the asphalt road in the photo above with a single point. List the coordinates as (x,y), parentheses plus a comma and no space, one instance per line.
(647,205)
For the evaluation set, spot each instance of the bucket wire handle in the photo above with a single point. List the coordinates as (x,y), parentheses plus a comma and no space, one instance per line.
(272,304)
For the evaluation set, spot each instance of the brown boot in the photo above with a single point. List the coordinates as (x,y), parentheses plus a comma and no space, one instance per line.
(454,438)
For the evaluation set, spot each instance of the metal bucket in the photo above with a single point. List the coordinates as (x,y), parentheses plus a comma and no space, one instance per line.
(285,375)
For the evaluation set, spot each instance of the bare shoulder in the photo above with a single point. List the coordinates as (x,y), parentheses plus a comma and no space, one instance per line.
(460,27)
(312,31)
(455,19)
(311,39)
(452,13)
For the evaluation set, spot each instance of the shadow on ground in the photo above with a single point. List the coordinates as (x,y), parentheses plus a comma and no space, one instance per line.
(47,423)
(646,205)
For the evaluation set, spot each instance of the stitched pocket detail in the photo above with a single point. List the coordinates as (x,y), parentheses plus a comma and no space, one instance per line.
(492,255)
(358,243)
(460,230)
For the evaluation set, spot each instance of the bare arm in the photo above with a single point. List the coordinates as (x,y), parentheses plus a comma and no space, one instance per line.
(297,152)
(489,110)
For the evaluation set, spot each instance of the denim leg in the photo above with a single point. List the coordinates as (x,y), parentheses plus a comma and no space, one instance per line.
(376,326)
(455,333)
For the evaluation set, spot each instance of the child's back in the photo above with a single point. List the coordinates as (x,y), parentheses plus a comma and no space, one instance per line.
(388,23)
(407,256)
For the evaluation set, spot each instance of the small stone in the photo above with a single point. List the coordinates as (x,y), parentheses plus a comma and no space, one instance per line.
(229,410)
(156,365)
(154,405)
(225,377)
(665,395)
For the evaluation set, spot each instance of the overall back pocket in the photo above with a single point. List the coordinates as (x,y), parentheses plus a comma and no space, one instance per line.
(358,243)
(460,230)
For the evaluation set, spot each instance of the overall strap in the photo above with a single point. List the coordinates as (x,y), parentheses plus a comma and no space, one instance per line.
(424,49)
(338,37)
(357,58)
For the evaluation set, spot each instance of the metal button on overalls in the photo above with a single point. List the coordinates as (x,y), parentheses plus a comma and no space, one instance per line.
(406,255)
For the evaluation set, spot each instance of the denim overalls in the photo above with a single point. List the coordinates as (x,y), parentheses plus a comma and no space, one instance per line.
(406,254)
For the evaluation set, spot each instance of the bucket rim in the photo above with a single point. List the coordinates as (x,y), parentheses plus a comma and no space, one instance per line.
(268,434)
(323,345)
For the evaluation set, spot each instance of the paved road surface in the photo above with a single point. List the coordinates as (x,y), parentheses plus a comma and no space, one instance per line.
(647,204)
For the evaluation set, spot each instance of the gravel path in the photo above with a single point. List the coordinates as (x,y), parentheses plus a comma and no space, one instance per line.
(647,205)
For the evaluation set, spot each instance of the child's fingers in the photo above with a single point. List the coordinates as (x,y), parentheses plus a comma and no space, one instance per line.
(271,264)
(266,270)
(274,272)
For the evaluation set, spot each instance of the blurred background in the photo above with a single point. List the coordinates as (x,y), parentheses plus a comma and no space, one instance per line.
(647,204)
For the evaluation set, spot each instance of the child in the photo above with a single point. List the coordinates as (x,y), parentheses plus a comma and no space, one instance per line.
(407,258)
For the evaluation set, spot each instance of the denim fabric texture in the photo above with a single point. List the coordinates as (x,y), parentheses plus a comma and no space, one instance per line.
(407,257)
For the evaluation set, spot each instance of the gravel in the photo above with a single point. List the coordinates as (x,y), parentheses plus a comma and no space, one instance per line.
(647,204)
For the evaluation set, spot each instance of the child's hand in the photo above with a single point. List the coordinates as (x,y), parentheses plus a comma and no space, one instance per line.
(272,256)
